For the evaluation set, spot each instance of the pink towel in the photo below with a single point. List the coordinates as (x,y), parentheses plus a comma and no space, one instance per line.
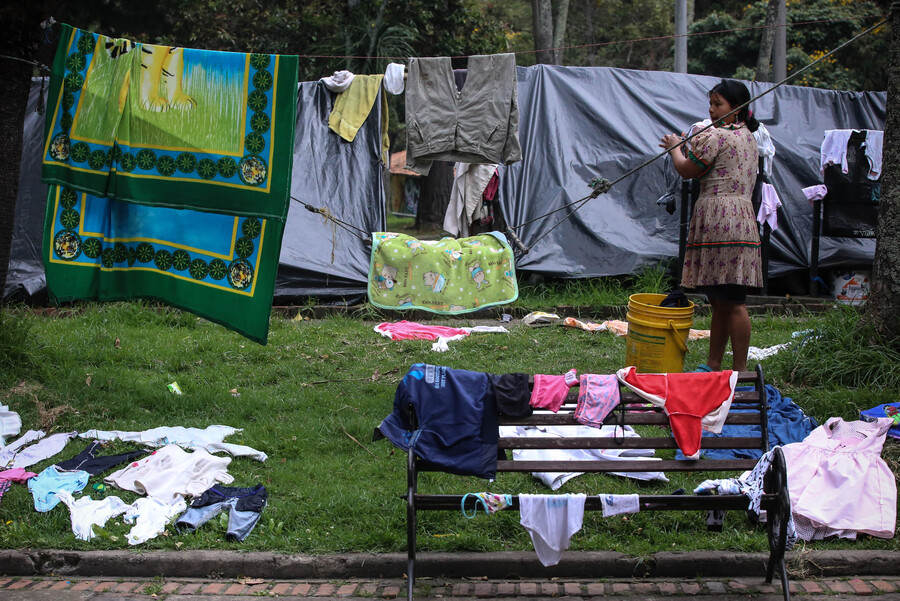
(410,330)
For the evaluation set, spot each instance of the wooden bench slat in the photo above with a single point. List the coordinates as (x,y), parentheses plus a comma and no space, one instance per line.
(594,503)
(648,418)
(661,465)
(731,442)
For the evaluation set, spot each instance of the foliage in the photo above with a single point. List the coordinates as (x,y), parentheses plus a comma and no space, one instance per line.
(843,350)
(814,28)
(608,28)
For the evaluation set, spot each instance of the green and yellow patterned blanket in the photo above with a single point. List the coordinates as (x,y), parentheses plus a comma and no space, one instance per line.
(449,276)
(171,127)
(170,176)
(221,267)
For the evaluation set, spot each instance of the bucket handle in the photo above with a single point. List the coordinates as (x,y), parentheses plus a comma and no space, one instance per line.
(677,338)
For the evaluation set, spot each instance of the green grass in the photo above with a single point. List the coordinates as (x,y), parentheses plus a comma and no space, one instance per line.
(311,398)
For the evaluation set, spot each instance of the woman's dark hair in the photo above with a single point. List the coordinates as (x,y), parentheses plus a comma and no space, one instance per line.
(736,94)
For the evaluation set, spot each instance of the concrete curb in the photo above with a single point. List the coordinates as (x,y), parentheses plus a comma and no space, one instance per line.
(503,565)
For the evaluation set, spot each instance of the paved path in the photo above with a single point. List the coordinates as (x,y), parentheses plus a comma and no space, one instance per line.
(59,589)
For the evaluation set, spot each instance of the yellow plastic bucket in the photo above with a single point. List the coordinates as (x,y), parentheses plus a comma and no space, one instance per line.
(657,336)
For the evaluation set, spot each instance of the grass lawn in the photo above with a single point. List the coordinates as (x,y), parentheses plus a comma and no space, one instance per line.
(311,398)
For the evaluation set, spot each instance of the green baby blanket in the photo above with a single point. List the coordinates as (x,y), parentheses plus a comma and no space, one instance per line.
(449,276)
(171,127)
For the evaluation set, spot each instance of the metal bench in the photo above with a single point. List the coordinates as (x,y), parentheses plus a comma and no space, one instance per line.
(634,411)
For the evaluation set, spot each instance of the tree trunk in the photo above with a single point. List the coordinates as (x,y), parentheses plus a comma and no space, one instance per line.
(435,196)
(560,14)
(16,76)
(766,42)
(883,306)
(542,20)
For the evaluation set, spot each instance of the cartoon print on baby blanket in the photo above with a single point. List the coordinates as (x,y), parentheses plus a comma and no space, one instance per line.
(449,276)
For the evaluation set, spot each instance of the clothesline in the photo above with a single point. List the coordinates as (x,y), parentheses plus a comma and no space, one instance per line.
(601,186)
(45,68)
(615,42)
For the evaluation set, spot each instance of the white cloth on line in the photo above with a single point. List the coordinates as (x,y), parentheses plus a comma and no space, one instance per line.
(619,504)
(171,472)
(874,145)
(556,479)
(466,196)
(768,206)
(766,148)
(209,438)
(816,192)
(339,81)
(551,521)
(834,149)
(393,78)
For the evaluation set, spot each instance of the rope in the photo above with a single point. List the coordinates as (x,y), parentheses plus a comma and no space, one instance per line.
(329,216)
(605,187)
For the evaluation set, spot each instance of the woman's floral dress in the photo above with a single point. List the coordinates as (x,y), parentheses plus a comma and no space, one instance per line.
(723,240)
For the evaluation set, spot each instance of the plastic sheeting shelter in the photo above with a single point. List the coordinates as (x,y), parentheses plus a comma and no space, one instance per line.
(576,123)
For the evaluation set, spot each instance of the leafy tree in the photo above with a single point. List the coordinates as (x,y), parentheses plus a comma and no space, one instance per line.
(814,27)
(601,34)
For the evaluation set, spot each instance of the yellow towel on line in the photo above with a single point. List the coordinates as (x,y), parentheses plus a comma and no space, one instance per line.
(352,108)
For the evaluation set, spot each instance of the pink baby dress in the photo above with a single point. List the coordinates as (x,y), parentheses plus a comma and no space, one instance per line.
(838,482)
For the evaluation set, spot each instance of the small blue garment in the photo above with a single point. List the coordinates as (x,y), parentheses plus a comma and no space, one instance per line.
(891,410)
(787,423)
(456,416)
(45,485)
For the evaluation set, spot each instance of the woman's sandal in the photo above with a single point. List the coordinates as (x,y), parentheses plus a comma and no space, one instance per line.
(703,368)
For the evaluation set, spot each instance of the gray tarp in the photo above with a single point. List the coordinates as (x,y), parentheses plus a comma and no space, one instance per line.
(576,123)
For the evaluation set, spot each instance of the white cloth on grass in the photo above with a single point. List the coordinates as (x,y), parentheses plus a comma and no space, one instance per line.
(8,453)
(171,472)
(10,424)
(86,512)
(43,449)
(210,438)
(150,516)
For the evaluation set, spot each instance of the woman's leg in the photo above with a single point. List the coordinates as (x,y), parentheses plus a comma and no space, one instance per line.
(738,320)
(718,335)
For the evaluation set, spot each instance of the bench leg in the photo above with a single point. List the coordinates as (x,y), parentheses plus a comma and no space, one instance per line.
(410,525)
(777,520)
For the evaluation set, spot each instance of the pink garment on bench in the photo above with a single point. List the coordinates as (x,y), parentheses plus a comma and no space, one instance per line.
(549,392)
(693,401)
(597,397)
(410,330)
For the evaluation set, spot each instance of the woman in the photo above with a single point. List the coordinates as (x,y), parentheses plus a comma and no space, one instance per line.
(722,257)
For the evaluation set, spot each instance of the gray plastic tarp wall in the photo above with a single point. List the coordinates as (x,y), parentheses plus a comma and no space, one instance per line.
(328,172)
(577,123)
